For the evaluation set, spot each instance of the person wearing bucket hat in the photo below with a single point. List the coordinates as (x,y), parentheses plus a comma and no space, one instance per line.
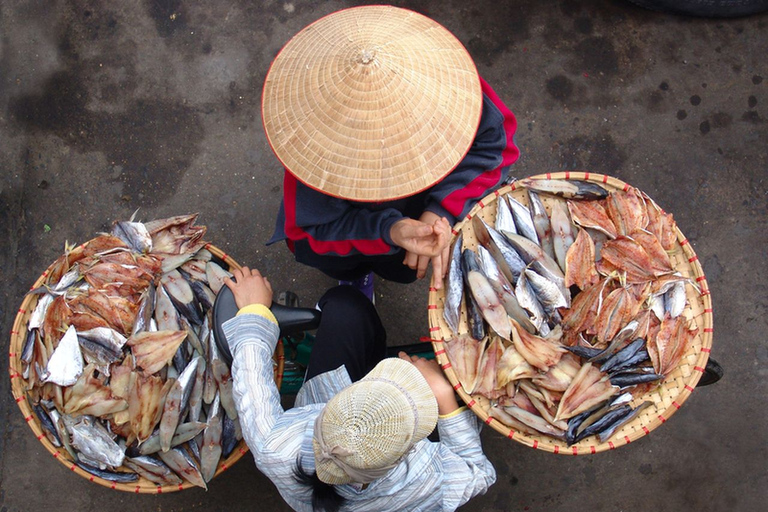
(357,436)
(388,135)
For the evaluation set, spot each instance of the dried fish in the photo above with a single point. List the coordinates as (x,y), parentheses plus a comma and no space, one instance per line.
(542,223)
(540,352)
(485,296)
(454,288)
(569,189)
(465,354)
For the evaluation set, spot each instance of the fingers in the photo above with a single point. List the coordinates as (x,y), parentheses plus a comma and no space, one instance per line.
(421,267)
(437,272)
(411,260)
(406,357)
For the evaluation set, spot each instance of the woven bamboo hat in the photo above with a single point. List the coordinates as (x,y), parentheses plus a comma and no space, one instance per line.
(372,103)
(365,430)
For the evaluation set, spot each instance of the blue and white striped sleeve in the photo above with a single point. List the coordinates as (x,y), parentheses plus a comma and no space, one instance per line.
(468,472)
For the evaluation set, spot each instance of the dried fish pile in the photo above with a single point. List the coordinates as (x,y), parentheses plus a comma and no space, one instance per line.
(562,318)
(119,361)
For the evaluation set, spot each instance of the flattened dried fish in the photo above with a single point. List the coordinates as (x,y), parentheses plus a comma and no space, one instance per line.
(66,362)
(465,354)
(569,189)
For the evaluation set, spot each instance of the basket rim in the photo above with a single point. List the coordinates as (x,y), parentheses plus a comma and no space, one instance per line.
(543,442)
(142,485)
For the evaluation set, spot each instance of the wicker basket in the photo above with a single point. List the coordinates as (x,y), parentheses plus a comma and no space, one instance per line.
(666,399)
(142,485)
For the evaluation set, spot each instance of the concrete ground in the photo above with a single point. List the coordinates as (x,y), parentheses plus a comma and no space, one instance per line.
(106,107)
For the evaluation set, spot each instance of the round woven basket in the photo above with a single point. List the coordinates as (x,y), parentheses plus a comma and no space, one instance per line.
(142,485)
(666,399)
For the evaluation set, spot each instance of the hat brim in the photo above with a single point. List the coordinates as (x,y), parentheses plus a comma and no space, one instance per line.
(406,377)
(372,103)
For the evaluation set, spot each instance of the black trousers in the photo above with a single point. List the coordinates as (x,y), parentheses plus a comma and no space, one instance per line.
(350,334)
(349,268)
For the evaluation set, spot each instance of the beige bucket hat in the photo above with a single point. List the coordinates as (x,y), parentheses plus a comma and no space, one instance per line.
(365,430)
(372,103)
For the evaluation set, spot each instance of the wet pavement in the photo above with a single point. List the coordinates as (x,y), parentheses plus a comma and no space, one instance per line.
(110,107)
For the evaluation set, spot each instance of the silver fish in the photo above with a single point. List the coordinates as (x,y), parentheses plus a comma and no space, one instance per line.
(146,310)
(134,234)
(66,362)
(562,232)
(93,441)
(184,433)
(675,299)
(184,465)
(542,223)
(509,261)
(195,270)
(539,261)
(224,381)
(490,305)
(47,422)
(61,429)
(112,476)
(210,451)
(196,395)
(454,288)
(527,299)
(656,304)
(523,220)
(38,314)
(504,219)
(204,294)
(176,402)
(182,296)
(549,294)
(152,469)
(101,346)
(229,435)
(606,434)
(569,189)
(504,289)
(166,315)
(216,276)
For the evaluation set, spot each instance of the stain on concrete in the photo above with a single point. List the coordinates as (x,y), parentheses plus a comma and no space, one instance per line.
(153,141)
(583,25)
(596,55)
(598,154)
(645,469)
(757,79)
(502,28)
(655,102)
(752,102)
(752,117)
(704,127)
(168,15)
(664,86)
(682,114)
(721,120)
(695,100)
(560,87)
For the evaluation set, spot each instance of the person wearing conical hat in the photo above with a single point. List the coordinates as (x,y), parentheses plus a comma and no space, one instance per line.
(357,436)
(388,135)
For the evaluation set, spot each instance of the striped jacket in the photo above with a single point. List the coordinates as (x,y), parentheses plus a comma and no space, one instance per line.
(433,477)
(317,226)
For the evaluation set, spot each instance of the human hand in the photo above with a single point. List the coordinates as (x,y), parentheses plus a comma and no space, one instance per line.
(250,287)
(441,229)
(430,370)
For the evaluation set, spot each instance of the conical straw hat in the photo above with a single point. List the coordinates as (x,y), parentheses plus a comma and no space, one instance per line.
(371,425)
(372,103)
